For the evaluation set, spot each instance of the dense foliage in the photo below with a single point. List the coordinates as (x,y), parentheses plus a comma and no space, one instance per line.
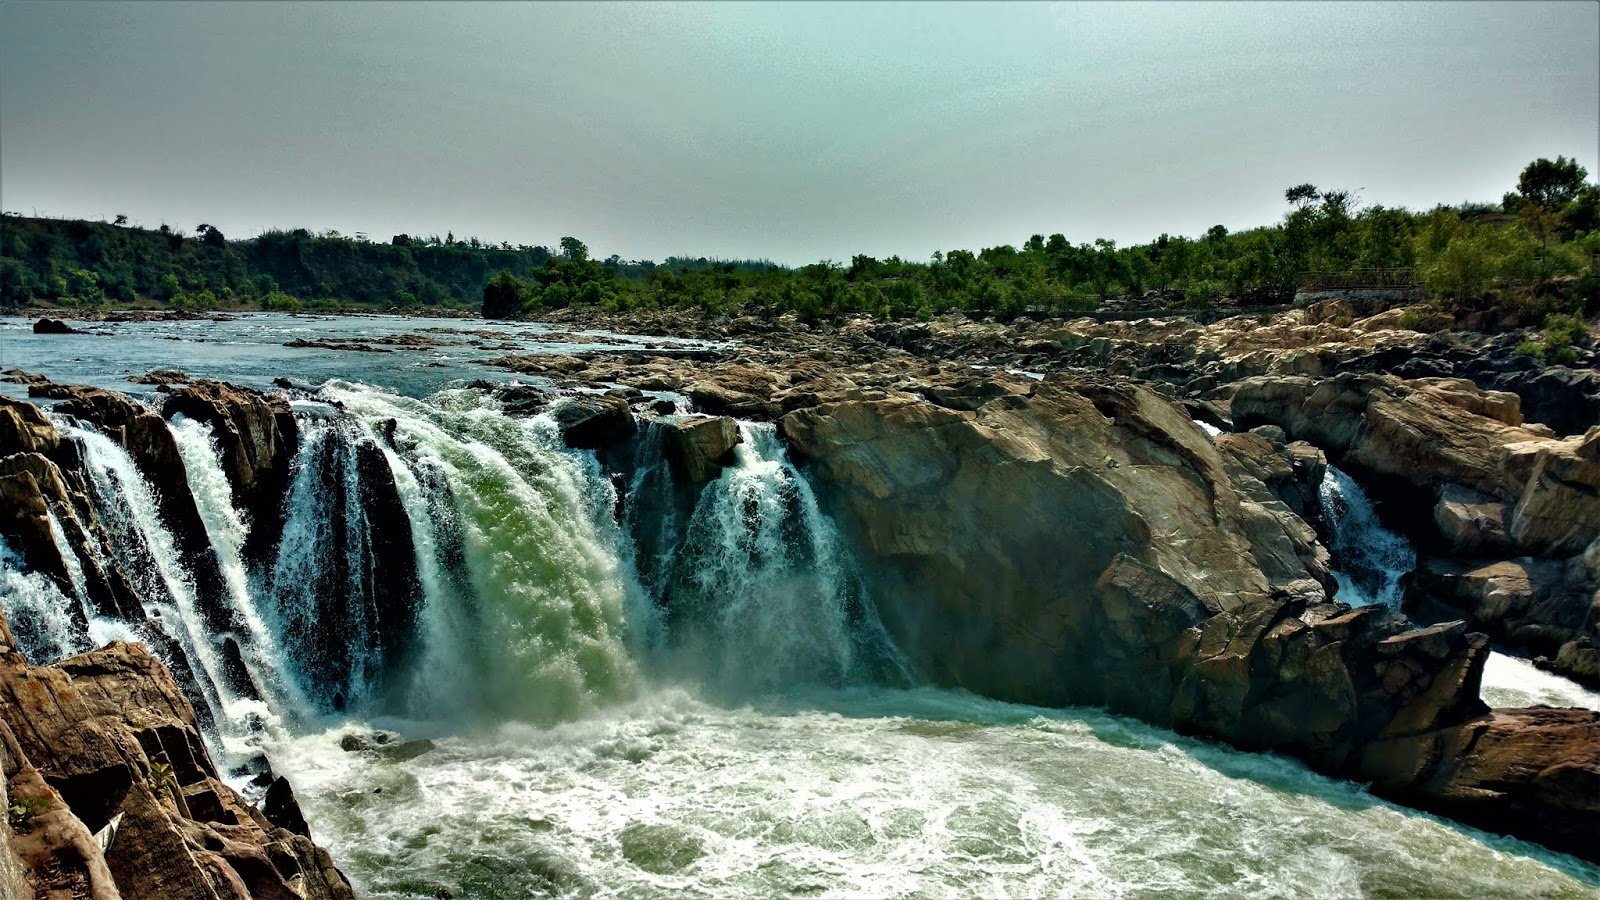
(1465,257)
(79,262)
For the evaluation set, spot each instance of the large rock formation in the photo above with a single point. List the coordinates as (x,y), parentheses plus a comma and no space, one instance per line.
(699,448)
(1495,491)
(120,798)
(1087,543)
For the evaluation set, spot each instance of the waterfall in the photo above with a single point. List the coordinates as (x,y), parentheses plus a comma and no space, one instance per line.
(1369,563)
(1370,559)
(340,601)
(760,591)
(542,623)
(442,559)
(146,551)
(227,531)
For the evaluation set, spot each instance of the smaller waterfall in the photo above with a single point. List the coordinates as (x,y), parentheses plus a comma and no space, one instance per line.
(761,591)
(1371,560)
(146,551)
(227,531)
(323,586)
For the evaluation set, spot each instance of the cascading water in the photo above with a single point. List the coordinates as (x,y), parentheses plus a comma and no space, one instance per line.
(1370,564)
(544,617)
(146,551)
(322,590)
(1371,561)
(47,624)
(557,647)
(227,532)
(759,591)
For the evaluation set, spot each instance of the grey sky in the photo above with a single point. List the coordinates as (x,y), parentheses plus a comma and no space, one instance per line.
(796,132)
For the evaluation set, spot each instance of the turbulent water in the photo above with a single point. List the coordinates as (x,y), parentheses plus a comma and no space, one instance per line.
(644,687)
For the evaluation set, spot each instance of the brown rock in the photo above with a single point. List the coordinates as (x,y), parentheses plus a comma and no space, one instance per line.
(592,421)
(699,448)
(112,735)
(1471,522)
(1558,512)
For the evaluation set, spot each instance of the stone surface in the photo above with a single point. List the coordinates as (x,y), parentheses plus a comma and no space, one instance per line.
(1558,511)
(106,737)
(699,448)
(256,438)
(593,421)
(53,326)
(1472,523)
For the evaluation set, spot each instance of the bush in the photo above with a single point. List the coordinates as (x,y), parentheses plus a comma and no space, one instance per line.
(1421,318)
(278,301)
(1530,348)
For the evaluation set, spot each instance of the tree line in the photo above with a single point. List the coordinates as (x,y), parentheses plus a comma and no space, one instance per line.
(1546,231)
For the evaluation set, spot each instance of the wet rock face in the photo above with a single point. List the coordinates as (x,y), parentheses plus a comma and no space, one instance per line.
(1520,771)
(256,438)
(106,739)
(591,422)
(991,527)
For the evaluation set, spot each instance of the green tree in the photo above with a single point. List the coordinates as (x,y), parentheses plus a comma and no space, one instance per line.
(574,249)
(502,296)
(1551,185)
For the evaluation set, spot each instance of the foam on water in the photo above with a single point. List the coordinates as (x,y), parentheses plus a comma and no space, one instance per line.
(44,620)
(878,792)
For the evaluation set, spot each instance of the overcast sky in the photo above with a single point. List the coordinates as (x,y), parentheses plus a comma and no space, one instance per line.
(794,132)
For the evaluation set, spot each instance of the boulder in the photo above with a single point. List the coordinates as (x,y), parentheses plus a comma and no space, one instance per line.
(54,326)
(106,739)
(1472,523)
(522,399)
(592,421)
(1558,512)
(989,529)
(1532,772)
(1293,473)
(1526,601)
(1413,432)
(24,429)
(700,448)
(1429,438)
(717,398)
